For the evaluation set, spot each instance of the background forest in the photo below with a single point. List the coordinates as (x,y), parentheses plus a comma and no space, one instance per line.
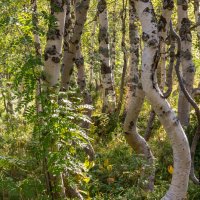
(89,94)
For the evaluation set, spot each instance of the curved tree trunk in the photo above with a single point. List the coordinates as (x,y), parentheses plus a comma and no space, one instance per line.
(163,32)
(109,98)
(181,151)
(188,69)
(194,105)
(135,101)
(70,55)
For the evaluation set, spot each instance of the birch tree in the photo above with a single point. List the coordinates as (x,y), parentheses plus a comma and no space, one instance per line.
(188,69)
(135,99)
(53,49)
(52,57)
(92,54)
(163,29)
(109,98)
(171,124)
(125,56)
(70,53)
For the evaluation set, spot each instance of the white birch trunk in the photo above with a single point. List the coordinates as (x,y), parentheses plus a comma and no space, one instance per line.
(135,99)
(109,98)
(52,56)
(188,69)
(180,146)
(70,55)
(53,48)
(163,30)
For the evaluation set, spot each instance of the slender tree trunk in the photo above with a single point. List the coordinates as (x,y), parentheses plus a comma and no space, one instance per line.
(188,69)
(39,89)
(124,50)
(38,50)
(109,98)
(92,56)
(148,132)
(194,105)
(163,30)
(82,83)
(197,20)
(135,100)
(70,54)
(113,39)
(68,28)
(180,146)
(52,56)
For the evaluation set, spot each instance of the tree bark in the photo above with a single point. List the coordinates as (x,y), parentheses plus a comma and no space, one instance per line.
(163,31)
(188,69)
(135,100)
(70,54)
(53,47)
(52,56)
(109,98)
(125,59)
(92,56)
(180,146)
(197,20)
(194,105)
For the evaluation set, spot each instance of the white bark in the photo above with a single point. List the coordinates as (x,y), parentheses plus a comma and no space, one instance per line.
(109,98)
(53,48)
(163,29)
(135,101)
(181,151)
(70,55)
(52,56)
(188,69)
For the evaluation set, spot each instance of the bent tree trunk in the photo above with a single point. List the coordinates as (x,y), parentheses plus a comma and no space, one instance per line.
(135,100)
(180,146)
(109,98)
(163,32)
(188,69)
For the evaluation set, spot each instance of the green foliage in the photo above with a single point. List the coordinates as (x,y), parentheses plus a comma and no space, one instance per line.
(52,140)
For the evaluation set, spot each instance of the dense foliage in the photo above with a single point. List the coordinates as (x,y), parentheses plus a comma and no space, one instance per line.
(33,144)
